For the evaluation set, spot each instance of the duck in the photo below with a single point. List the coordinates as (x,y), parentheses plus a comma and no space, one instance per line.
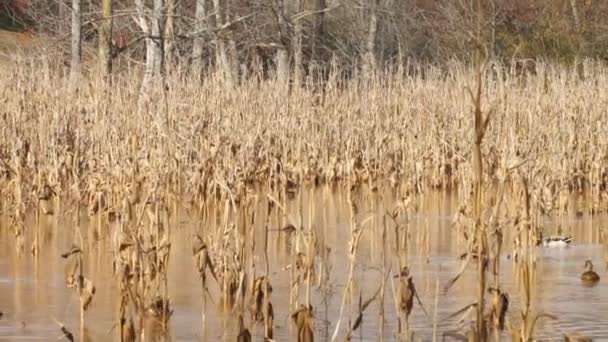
(557,241)
(589,277)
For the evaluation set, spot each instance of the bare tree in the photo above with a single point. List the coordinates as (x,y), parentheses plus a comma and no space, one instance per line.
(222,53)
(154,45)
(62,13)
(577,21)
(281,20)
(282,56)
(170,30)
(198,46)
(370,50)
(157,33)
(76,45)
(105,39)
(232,50)
(320,6)
(297,44)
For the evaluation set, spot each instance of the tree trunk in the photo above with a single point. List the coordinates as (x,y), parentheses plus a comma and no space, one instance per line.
(317,39)
(233,59)
(105,39)
(280,8)
(282,56)
(197,48)
(143,24)
(148,71)
(370,49)
(76,45)
(297,46)
(221,44)
(577,21)
(62,14)
(154,46)
(157,33)
(169,31)
(232,50)
(282,66)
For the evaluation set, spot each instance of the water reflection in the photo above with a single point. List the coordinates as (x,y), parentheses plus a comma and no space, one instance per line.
(33,295)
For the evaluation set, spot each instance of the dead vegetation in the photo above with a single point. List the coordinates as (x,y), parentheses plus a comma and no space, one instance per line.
(233,160)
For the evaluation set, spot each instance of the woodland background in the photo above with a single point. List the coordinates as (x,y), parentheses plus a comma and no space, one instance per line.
(306,34)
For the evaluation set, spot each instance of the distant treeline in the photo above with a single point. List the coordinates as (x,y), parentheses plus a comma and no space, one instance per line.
(315,32)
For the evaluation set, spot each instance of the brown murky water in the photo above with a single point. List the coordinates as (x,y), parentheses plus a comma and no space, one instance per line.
(33,295)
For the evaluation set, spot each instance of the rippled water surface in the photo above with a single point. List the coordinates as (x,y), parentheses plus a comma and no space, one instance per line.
(34,297)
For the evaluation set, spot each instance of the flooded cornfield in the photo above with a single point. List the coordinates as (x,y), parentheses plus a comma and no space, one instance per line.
(466,203)
(341,252)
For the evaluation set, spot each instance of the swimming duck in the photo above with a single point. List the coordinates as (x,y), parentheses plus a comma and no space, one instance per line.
(589,277)
(557,241)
